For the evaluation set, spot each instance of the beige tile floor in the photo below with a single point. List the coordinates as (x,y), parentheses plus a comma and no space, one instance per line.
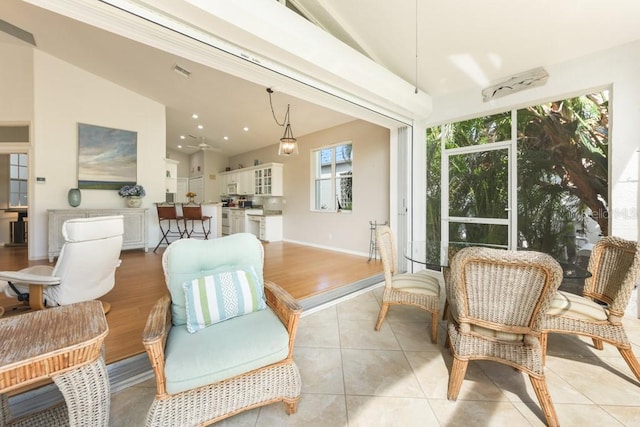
(354,376)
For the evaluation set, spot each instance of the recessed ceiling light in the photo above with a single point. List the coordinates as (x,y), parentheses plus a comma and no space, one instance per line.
(179,146)
(194,115)
(200,127)
(246,129)
(226,138)
(182,137)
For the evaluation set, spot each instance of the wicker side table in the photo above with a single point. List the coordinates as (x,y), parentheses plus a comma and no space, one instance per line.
(64,344)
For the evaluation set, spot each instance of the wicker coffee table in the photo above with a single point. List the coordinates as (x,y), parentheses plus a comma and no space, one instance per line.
(64,344)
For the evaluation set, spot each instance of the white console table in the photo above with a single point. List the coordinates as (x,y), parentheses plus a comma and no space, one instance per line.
(135,226)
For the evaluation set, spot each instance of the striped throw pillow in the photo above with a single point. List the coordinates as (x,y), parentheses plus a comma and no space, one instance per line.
(221,296)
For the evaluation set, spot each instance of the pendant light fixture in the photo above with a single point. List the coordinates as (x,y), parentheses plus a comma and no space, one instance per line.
(288,144)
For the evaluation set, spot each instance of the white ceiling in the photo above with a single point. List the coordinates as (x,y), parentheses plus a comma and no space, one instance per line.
(461,44)
(465,44)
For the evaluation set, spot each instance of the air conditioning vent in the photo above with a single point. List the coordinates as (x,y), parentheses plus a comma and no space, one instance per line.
(182,71)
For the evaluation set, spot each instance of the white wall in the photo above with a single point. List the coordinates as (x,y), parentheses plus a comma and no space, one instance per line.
(16,84)
(16,107)
(618,69)
(183,165)
(346,232)
(64,96)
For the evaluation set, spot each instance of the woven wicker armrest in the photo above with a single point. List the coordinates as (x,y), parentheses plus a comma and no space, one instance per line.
(154,338)
(286,307)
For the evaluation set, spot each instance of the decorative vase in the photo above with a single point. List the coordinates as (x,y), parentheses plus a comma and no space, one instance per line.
(134,201)
(74,197)
(192,199)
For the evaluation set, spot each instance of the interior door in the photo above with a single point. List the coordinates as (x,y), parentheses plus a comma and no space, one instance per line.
(197,186)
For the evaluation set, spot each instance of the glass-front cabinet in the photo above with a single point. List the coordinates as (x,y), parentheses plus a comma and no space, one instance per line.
(262,180)
(268,180)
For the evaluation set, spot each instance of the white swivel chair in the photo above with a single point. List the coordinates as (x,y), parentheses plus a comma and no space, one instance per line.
(85,269)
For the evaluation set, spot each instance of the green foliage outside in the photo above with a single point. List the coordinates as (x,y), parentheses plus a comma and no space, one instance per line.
(562,174)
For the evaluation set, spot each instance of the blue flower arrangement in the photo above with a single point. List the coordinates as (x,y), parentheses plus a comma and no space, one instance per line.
(132,190)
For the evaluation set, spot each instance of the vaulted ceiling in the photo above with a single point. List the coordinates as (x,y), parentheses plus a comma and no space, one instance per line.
(449,46)
(442,47)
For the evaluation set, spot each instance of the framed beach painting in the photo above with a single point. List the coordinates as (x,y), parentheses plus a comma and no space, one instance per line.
(107,157)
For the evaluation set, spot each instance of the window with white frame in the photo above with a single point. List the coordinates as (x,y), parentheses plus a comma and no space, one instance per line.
(18,180)
(332,178)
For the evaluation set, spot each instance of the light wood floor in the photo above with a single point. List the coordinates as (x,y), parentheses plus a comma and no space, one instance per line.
(302,270)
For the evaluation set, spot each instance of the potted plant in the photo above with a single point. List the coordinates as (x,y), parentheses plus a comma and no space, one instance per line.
(133,194)
(191,196)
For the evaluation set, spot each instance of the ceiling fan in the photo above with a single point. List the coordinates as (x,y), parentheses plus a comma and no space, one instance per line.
(202,145)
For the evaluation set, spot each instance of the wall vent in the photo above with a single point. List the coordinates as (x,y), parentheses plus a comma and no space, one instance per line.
(13,134)
(182,71)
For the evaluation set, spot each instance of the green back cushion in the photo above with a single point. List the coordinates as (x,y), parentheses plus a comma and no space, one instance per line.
(221,296)
(188,259)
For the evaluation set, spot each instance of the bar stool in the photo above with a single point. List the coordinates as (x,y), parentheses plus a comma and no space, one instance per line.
(168,212)
(373,243)
(193,212)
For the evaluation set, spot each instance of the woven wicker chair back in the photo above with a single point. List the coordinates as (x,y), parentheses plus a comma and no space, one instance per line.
(615,269)
(503,290)
(387,250)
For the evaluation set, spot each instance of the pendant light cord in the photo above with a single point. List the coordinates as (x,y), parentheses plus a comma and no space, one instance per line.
(416,91)
(286,116)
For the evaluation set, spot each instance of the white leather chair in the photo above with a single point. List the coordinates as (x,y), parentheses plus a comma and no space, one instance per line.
(85,269)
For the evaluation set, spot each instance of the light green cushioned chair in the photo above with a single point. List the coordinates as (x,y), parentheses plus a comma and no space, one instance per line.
(227,367)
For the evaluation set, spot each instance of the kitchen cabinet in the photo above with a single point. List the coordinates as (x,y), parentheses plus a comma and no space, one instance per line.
(262,180)
(236,221)
(224,181)
(135,226)
(246,185)
(268,180)
(271,228)
(171,175)
(236,183)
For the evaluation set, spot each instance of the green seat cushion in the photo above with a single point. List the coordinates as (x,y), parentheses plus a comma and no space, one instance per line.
(223,350)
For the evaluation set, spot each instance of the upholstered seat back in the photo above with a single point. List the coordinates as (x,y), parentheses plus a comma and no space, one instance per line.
(189,259)
(88,260)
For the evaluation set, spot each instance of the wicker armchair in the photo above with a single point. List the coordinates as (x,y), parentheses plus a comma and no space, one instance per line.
(497,303)
(615,269)
(206,376)
(418,289)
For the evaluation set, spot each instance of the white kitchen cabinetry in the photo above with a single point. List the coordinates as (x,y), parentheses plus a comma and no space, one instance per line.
(135,226)
(271,228)
(237,220)
(171,175)
(262,180)
(246,186)
(224,180)
(268,180)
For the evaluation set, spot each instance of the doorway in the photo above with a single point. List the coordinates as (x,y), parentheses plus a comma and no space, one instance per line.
(14,196)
